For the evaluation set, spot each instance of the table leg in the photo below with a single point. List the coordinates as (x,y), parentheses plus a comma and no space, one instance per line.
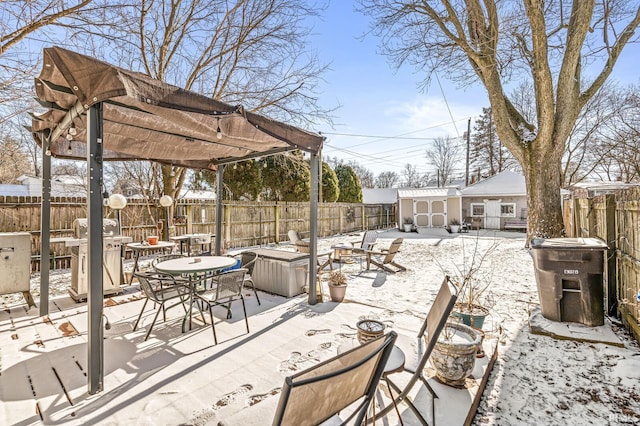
(135,265)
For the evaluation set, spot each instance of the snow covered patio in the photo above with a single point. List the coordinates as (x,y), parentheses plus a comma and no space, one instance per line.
(175,378)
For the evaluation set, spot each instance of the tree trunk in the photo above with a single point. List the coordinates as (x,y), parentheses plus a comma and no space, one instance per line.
(544,203)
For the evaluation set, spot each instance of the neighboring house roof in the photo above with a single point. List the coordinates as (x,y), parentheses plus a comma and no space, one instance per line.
(505,183)
(428,192)
(598,188)
(13,190)
(61,186)
(197,195)
(379,195)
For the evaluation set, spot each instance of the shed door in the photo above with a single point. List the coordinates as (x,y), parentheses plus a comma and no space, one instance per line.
(492,214)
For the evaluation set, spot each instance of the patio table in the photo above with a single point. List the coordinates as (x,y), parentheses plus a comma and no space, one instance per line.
(138,248)
(194,266)
(188,239)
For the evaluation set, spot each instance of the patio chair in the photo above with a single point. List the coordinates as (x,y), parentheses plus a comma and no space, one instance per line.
(319,393)
(163,257)
(229,286)
(383,258)
(368,241)
(434,323)
(303,247)
(472,223)
(248,262)
(161,289)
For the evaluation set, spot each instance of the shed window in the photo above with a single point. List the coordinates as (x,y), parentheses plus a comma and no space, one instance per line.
(508,209)
(477,210)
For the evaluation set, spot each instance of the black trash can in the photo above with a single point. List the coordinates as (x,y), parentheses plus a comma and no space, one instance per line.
(569,275)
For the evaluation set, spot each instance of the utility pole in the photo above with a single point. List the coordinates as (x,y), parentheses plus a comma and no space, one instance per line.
(466,175)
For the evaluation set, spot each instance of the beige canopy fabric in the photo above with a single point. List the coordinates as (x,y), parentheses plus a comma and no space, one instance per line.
(147,119)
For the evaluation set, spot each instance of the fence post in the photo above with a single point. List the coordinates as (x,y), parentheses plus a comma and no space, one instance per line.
(189,220)
(364,218)
(227,224)
(276,216)
(610,234)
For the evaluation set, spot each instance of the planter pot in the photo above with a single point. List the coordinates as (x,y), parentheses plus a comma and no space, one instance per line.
(337,292)
(455,229)
(368,330)
(454,355)
(473,318)
(407,227)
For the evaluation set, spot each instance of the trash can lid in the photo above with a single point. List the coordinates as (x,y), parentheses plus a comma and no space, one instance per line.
(568,243)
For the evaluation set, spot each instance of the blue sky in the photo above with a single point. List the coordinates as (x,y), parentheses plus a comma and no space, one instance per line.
(376,100)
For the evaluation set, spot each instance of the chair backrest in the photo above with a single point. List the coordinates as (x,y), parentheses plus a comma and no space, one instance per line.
(149,282)
(368,240)
(164,257)
(436,319)
(394,248)
(248,261)
(316,394)
(302,246)
(294,236)
(229,284)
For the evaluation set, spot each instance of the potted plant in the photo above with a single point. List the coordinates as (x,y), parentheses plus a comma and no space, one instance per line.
(408,224)
(454,224)
(454,354)
(473,278)
(337,286)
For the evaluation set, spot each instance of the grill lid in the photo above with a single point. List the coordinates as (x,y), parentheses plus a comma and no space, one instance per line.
(81,227)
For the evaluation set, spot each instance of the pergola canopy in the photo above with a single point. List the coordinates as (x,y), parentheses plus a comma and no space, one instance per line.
(146,119)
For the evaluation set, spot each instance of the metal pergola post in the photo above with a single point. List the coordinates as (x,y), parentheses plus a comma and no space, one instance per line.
(219,206)
(45,228)
(313,231)
(95,297)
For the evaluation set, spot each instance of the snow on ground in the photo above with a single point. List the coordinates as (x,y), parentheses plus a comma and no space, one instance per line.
(536,380)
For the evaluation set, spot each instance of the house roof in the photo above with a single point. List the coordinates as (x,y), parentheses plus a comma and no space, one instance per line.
(193,194)
(505,183)
(13,190)
(144,118)
(428,192)
(379,195)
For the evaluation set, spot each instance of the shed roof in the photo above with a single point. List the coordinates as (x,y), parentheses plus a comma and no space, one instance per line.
(427,192)
(147,119)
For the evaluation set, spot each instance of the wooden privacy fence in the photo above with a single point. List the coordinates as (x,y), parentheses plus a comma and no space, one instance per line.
(245,224)
(615,218)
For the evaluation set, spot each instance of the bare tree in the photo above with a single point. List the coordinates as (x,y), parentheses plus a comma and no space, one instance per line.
(387,180)
(487,152)
(249,52)
(14,161)
(617,151)
(412,178)
(445,155)
(547,43)
(365,175)
(24,27)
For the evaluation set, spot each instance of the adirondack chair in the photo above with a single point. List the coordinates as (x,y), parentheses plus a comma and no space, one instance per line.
(303,247)
(368,241)
(383,259)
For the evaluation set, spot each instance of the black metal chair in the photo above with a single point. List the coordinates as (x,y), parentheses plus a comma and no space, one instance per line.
(432,326)
(248,262)
(228,288)
(160,289)
(163,257)
(319,393)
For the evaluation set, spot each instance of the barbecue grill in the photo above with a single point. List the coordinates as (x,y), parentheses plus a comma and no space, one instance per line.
(111,262)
